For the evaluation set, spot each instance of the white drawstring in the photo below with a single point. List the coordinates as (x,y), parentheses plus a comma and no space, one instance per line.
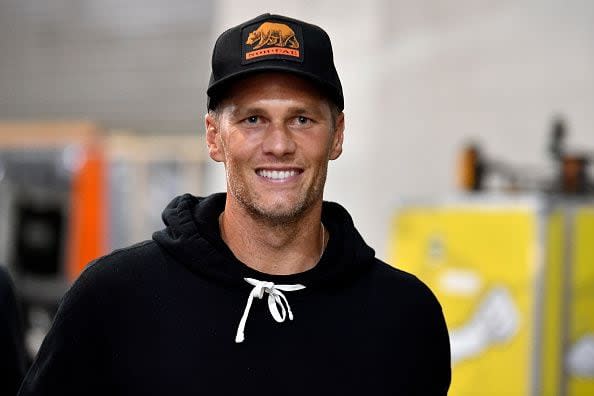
(275,299)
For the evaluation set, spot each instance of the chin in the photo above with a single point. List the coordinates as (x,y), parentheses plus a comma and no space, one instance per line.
(278,211)
(275,207)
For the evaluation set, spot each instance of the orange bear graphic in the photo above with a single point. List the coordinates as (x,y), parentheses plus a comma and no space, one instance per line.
(273,34)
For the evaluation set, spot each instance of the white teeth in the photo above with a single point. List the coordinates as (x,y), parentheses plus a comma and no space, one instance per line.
(276,175)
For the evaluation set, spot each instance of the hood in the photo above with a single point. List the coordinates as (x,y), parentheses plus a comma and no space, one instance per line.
(192,238)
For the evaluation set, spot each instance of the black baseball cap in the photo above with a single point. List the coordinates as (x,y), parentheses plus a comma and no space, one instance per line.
(274,43)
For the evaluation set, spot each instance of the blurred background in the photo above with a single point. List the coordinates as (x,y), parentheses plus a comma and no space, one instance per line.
(468,156)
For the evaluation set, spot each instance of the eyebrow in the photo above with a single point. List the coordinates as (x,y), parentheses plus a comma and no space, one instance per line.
(297,110)
(240,111)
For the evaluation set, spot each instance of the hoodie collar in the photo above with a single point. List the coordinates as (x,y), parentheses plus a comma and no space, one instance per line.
(193,238)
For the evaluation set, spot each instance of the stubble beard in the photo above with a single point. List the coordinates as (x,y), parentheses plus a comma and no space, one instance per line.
(277,212)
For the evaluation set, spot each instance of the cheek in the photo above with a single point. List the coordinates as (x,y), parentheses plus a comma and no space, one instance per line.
(241,144)
(237,159)
(319,149)
(231,146)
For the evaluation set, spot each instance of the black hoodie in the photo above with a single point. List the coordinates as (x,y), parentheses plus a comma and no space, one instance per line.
(161,317)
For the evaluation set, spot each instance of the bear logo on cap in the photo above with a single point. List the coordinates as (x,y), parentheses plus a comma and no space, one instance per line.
(273,34)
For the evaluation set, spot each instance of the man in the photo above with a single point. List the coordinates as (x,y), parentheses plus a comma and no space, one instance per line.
(182,315)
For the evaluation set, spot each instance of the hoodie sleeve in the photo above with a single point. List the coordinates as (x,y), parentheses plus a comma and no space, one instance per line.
(435,374)
(70,360)
(441,363)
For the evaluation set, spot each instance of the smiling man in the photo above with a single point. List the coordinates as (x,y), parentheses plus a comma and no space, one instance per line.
(181,314)
(275,133)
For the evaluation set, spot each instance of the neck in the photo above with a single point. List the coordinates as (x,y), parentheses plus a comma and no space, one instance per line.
(272,248)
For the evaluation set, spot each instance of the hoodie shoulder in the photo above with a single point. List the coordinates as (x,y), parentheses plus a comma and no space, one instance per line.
(128,255)
(130,263)
(400,284)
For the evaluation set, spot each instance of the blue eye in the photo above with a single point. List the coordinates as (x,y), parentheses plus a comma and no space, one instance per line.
(252,119)
(302,120)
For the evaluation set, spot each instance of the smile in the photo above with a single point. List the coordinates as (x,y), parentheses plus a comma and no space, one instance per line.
(277,175)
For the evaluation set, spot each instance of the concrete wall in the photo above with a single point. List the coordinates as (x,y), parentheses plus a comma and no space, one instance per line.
(134,64)
(421,77)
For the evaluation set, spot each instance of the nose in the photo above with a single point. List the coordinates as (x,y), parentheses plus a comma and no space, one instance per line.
(278,141)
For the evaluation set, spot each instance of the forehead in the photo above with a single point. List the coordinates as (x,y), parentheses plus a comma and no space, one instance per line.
(273,86)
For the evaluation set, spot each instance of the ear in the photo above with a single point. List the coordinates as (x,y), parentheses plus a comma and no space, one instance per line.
(213,138)
(338,137)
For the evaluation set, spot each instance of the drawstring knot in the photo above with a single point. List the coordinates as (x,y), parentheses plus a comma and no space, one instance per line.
(276,299)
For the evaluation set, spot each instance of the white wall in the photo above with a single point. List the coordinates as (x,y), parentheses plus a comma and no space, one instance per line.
(139,65)
(421,76)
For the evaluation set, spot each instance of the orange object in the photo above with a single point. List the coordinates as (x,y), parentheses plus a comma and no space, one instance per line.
(88,211)
(469,169)
(573,172)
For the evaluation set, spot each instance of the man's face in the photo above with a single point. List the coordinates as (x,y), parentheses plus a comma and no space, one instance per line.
(275,133)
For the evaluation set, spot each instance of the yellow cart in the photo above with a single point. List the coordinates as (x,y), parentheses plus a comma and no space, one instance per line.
(515,277)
